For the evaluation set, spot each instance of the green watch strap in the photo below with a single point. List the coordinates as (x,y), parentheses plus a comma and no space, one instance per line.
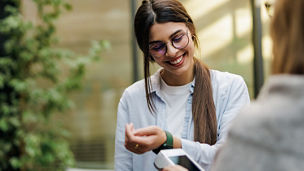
(168,144)
(169,141)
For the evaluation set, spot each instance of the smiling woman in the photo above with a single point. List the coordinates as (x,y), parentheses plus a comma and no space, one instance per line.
(175,56)
(184,104)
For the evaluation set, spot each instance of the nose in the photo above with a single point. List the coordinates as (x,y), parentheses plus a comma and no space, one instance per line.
(171,50)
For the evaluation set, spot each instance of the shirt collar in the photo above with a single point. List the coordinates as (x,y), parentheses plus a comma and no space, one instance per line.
(155,82)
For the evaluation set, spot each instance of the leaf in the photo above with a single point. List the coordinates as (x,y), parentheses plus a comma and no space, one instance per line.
(15,162)
(19,85)
(1,81)
(14,121)
(35,80)
(29,117)
(31,145)
(67,6)
(5,109)
(3,125)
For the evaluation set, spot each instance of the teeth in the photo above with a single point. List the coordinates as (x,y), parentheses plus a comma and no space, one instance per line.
(176,61)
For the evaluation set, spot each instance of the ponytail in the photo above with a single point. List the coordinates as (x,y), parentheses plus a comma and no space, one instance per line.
(203,109)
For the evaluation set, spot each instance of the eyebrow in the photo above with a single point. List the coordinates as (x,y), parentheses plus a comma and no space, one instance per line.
(171,36)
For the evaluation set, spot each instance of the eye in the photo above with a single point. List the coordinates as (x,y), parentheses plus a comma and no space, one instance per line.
(157,46)
(178,38)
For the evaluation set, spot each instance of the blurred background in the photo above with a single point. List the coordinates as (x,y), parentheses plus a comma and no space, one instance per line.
(225,30)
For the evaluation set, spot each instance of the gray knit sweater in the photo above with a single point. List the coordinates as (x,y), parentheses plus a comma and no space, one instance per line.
(268,135)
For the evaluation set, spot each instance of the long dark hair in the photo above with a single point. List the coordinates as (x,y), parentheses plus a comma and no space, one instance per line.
(203,109)
(288,37)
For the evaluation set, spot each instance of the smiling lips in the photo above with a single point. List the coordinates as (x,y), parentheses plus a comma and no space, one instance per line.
(178,61)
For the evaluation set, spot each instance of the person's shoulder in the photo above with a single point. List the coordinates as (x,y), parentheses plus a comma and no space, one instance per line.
(224,77)
(264,122)
(136,88)
(134,94)
(226,80)
(250,116)
(262,116)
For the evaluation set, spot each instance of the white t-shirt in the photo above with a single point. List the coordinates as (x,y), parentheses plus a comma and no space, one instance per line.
(175,98)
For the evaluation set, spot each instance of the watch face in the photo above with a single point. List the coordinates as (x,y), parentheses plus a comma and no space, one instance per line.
(185,162)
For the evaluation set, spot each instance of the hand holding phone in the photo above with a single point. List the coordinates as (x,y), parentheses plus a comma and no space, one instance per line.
(176,157)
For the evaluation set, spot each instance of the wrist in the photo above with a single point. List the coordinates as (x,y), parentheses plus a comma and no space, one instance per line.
(168,144)
(164,137)
(177,143)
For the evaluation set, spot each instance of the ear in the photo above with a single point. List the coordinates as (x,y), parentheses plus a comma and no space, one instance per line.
(193,37)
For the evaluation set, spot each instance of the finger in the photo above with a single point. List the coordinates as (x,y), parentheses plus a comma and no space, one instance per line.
(143,141)
(131,146)
(179,168)
(128,131)
(146,143)
(128,137)
(136,148)
(151,130)
(131,140)
(131,149)
(132,127)
(174,168)
(168,168)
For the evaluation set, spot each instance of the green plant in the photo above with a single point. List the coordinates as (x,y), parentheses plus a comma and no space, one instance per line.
(35,80)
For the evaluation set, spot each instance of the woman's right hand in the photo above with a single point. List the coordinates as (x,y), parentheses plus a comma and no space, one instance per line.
(174,168)
(144,139)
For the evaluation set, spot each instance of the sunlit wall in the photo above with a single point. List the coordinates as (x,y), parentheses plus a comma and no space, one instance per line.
(224,29)
(93,121)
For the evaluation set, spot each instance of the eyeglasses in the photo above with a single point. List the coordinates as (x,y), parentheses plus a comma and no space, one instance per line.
(179,41)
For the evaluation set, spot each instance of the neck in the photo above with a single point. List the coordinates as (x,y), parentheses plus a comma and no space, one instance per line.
(178,80)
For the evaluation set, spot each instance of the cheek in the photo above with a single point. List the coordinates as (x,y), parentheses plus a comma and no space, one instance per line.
(191,48)
(157,60)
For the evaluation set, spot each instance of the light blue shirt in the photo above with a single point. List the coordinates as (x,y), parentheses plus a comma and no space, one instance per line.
(230,94)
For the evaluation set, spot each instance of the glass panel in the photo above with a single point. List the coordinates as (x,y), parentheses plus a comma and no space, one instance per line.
(224,29)
(267,42)
(93,121)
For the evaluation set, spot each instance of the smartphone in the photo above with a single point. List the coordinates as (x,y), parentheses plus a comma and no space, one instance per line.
(176,156)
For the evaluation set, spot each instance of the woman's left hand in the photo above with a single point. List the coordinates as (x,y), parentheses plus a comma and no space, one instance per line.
(144,139)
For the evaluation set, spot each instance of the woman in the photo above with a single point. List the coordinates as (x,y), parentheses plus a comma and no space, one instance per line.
(184,104)
(268,134)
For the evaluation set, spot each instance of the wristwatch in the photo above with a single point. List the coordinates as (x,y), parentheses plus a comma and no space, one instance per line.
(168,144)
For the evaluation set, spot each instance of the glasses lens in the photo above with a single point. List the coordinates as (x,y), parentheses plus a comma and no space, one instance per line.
(180,41)
(158,49)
